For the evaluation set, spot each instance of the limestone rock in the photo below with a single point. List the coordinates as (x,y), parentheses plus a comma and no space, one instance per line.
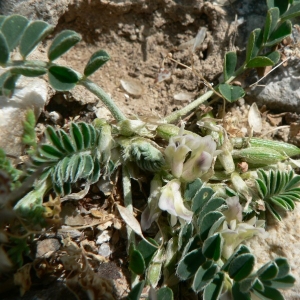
(284,241)
(30,93)
(281,91)
(49,11)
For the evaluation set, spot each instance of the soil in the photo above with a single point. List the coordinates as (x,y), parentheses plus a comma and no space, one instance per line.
(138,37)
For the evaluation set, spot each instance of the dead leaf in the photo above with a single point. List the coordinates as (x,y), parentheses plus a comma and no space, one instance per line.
(23,279)
(130,220)
(254,118)
(132,87)
(199,39)
(46,247)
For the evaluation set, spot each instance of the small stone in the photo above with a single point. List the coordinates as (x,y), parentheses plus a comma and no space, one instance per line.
(104,250)
(55,117)
(133,37)
(30,93)
(104,236)
(47,247)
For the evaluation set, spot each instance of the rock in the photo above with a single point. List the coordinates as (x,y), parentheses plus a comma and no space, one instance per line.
(284,241)
(47,247)
(281,91)
(30,93)
(49,11)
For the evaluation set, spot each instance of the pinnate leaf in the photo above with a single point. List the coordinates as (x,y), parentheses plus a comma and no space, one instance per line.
(214,204)
(154,269)
(64,41)
(185,234)
(86,133)
(50,152)
(147,250)
(94,177)
(54,138)
(281,283)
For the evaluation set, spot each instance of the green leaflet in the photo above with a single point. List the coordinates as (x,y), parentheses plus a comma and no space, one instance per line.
(13,28)
(62,43)
(35,32)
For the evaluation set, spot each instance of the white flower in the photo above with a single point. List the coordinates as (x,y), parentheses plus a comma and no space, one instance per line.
(171,201)
(235,231)
(189,155)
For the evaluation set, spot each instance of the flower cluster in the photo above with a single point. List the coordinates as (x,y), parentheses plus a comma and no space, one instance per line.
(235,231)
(190,156)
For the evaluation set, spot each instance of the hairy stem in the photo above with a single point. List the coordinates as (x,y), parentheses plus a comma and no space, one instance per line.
(105,98)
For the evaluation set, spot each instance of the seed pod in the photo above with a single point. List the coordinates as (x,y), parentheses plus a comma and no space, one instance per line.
(259,155)
(281,147)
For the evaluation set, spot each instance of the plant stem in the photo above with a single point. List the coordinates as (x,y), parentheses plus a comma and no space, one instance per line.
(105,98)
(184,111)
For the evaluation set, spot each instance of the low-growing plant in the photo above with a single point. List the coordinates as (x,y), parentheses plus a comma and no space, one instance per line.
(204,208)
